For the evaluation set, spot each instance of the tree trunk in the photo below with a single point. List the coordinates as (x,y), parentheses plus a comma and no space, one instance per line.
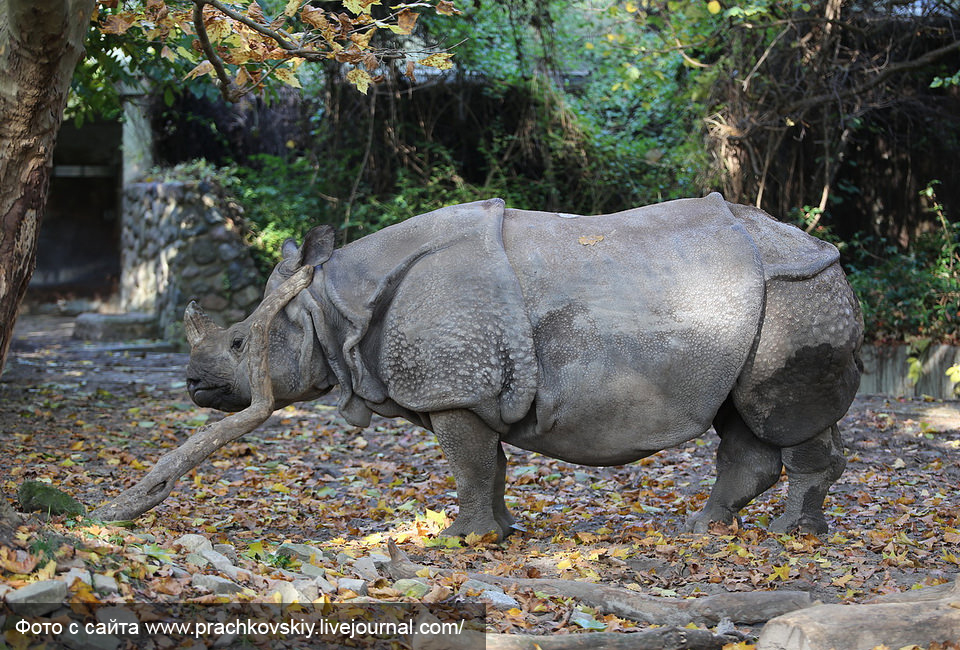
(41,42)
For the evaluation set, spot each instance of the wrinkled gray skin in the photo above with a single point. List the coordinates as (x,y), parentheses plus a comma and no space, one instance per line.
(597,340)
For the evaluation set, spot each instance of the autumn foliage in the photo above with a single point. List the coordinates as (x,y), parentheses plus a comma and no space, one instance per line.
(241,45)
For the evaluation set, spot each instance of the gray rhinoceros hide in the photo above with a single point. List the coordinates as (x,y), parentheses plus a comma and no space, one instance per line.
(598,340)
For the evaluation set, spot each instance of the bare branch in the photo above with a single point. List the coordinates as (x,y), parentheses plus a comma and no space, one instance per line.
(887,72)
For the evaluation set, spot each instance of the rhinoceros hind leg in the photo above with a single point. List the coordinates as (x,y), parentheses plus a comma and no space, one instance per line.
(479,466)
(746,467)
(812,467)
(500,511)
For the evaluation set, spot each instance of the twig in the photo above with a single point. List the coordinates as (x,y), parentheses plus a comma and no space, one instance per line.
(363,166)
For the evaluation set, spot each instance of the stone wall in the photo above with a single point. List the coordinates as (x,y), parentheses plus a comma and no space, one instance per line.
(181,242)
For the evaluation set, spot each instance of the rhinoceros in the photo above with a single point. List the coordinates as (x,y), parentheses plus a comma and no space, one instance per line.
(597,340)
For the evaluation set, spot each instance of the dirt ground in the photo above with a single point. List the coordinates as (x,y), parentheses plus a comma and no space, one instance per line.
(91,419)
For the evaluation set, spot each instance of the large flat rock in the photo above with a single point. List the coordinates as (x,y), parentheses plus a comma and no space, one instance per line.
(115,327)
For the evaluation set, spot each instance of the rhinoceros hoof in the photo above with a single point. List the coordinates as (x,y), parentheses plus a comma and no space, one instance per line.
(803,524)
(463,527)
(700,522)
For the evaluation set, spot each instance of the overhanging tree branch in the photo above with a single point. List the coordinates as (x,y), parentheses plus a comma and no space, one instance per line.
(228,88)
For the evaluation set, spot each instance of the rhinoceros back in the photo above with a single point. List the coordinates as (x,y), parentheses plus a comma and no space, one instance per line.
(642,321)
(787,252)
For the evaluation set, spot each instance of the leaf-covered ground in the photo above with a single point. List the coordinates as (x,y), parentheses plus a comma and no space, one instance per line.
(91,420)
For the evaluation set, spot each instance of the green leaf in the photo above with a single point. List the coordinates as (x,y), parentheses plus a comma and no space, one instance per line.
(255,551)
(587,621)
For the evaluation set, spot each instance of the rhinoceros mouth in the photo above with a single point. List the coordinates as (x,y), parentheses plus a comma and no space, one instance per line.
(204,394)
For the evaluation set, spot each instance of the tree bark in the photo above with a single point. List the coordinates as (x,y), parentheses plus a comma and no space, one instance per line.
(41,42)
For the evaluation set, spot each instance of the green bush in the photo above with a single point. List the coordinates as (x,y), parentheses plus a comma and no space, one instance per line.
(281,199)
(910,294)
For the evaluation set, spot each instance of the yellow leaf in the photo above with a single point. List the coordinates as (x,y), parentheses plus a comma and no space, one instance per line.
(590,240)
(168,54)
(588,45)
(440,61)
(436,517)
(280,487)
(472,539)
(218,30)
(630,7)
(564,564)
(782,572)
(204,67)
(714,7)
(360,6)
(47,571)
(291,8)
(289,77)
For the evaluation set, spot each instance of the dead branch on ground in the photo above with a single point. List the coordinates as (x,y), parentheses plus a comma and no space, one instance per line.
(160,481)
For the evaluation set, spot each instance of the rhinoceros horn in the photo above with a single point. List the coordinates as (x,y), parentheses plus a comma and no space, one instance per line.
(196,323)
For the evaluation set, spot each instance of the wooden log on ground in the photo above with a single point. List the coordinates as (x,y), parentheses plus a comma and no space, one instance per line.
(161,479)
(663,638)
(863,627)
(740,607)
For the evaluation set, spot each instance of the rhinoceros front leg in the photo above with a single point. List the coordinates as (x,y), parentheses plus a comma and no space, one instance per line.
(812,467)
(746,467)
(479,467)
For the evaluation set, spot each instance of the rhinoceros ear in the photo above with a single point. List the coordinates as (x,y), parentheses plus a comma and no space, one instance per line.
(317,245)
(290,249)
(196,323)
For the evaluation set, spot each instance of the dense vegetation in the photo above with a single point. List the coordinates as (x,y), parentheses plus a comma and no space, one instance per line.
(836,115)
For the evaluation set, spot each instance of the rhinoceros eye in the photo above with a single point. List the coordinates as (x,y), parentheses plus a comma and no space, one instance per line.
(237,344)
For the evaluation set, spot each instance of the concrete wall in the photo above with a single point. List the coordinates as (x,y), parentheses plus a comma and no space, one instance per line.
(887,371)
(180,242)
